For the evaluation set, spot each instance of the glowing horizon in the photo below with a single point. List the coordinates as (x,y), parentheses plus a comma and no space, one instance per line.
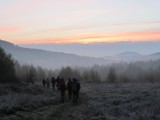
(81,21)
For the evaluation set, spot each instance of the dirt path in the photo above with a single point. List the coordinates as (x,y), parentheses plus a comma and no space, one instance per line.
(64,111)
(58,110)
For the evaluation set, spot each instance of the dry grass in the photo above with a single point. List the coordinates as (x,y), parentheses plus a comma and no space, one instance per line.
(97,102)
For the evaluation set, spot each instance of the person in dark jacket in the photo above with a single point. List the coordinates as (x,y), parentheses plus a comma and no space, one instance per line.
(48,83)
(69,88)
(62,87)
(53,81)
(44,82)
(75,88)
(58,80)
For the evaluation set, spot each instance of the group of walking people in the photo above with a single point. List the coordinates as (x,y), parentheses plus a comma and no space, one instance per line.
(72,86)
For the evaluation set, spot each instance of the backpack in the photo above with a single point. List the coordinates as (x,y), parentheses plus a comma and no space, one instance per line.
(74,88)
(78,86)
(63,86)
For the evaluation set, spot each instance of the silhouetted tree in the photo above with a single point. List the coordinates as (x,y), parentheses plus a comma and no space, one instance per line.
(31,75)
(40,74)
(112,77)
(7,71)
(123,78)
(94,76)
(85,75)
(91,76)
(66,73)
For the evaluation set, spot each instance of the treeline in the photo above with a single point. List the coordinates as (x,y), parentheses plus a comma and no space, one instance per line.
(142,71)
(119,72)
(31,74)
(12,71)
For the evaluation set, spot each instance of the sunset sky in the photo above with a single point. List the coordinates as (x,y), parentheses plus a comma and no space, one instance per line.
(79,21)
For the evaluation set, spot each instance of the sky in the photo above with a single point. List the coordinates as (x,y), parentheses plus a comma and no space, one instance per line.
(79,21)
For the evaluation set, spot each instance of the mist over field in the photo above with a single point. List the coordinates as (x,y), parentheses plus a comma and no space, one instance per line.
(80,60)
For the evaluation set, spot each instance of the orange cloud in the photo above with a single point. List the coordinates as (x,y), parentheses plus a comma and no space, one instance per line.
(99,38)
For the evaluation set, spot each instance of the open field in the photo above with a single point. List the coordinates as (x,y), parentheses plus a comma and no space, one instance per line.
(97,102)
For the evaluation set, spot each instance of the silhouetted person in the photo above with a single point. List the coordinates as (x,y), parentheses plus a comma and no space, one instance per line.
(53,83)
(69,88)
(58,82)
(76,89)
(78,86)
(44,82)
(48,83)
(62,87)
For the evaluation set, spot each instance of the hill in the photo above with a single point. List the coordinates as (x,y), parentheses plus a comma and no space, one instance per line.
(48,59)
(129,56)
(100,49)
(155,55)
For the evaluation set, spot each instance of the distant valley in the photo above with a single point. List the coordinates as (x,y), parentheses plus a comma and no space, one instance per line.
(48,59)
(53,60)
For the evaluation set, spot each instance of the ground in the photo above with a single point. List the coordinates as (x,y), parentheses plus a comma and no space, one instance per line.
(100,101)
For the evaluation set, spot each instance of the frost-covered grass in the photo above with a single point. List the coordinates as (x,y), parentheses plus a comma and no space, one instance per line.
(124,102)
(16,98)
(100,101)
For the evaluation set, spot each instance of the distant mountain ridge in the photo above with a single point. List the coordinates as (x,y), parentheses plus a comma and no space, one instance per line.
(129,53)
(131,56)
(55,60)
(48,59)
(101,49)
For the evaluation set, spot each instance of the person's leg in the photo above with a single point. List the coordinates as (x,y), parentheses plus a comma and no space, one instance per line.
(53,87)
(78,94)
(70,94)
(63,96)
(73,97)
(76,97)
